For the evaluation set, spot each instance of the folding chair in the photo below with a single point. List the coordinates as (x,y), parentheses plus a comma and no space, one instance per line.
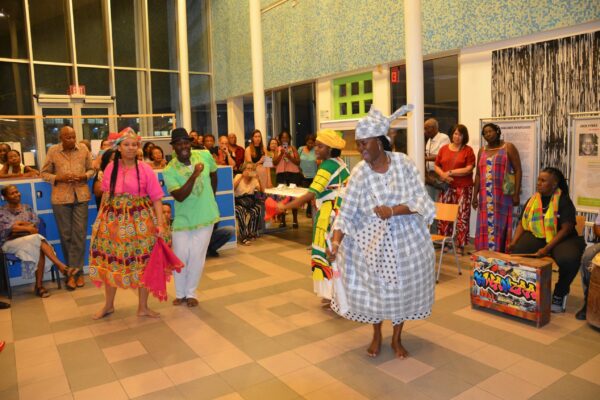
(447,213)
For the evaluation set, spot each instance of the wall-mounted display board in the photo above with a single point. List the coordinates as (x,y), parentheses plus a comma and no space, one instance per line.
(524,133)
(585,161)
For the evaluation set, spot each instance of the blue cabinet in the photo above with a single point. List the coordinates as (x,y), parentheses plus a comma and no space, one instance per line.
(224,179)
(43,192)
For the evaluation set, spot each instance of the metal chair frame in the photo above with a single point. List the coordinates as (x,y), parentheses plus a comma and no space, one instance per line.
(446,213)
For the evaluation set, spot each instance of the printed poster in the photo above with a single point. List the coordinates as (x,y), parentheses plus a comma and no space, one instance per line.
(585,187)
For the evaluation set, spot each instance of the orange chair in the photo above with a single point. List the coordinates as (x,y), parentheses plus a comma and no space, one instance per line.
(447,213)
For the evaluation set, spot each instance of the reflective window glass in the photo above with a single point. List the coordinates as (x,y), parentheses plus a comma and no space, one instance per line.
(89,28)
(95,81)
(165,93)
(200,102)
(15,90)
(163,36)
(94,127)
(197,33)
(49,30)
(123,32)
(281,111)
(440,78)
(305,123)
(52,126)
(126,90)
(52,79)
(222,124)
(13,42)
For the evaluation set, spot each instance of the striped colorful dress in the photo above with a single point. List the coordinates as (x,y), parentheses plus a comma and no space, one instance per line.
(327,186)
(494,216)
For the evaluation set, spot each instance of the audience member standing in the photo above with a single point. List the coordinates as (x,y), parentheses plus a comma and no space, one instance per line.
(237,151)
(68,167)
(454,165)
(494,199)
(308,166)
(191,178)
(434,142)
(287,163)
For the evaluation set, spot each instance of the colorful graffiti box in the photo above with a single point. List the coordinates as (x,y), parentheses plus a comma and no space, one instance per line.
(512,285)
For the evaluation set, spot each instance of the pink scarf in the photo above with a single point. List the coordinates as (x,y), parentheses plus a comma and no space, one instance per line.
(159,269)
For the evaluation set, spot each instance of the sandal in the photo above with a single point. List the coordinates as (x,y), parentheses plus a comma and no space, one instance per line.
(178,301)
(41,291)
(246,242)
(191,302)
(70,271)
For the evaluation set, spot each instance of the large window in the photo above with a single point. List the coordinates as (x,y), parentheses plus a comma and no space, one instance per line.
(162,32)
(12,30)
(200,102)
(440,78)
(123,23)
(49,30)
(15,91)
(89,28)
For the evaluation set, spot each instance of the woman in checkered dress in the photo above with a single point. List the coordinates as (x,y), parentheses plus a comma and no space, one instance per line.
(381,241)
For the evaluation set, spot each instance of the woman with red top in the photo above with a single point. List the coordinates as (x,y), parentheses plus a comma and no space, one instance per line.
(454,164)
(287,163)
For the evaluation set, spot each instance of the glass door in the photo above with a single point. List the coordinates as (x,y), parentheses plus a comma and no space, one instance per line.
(59,117)
(94,123)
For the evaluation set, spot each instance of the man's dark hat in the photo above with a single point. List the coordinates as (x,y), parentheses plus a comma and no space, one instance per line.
(179,134)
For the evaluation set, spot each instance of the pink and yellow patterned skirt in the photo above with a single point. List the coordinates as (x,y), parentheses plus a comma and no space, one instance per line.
(122,240)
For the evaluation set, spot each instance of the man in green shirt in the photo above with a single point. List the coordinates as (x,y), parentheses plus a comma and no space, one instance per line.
(191,178)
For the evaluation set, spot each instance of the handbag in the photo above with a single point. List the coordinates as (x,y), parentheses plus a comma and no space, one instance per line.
(433,179)
(509,182)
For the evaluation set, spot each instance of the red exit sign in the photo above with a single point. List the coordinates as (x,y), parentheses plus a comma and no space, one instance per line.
(76,90)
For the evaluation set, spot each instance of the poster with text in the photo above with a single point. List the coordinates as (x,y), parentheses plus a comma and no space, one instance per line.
(524,135)
(585,185)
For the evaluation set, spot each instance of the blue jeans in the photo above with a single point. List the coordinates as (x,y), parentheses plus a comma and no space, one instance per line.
(219,237)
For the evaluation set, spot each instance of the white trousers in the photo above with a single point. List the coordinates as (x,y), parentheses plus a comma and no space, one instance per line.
(190,247)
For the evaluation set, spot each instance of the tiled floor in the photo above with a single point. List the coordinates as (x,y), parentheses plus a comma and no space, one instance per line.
(260,333)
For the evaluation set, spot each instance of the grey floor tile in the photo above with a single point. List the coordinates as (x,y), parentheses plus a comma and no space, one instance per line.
(28,317)
(261,348)
(439,385)
(95,299)
(8,376)
(10,393)
(134,366)
(569,387)
(287,310)
(428,352)
(85,365)
(167,394)
(468,370)
(245,376)
(163,345)
(209,387)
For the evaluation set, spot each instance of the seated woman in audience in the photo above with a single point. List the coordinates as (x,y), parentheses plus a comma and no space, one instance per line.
(147,151)
(4,149)
(247,208)
(256,154)
(157,158)
(547,228)
(223,156)
(19,236)
(493,198)
(14,168)
(588,255)
(454,164)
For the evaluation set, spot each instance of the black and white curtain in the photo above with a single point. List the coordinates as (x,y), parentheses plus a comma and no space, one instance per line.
(551,79)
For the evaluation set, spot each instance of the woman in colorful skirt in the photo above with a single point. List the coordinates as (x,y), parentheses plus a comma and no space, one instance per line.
(494,206)
(326,188)
(128,224)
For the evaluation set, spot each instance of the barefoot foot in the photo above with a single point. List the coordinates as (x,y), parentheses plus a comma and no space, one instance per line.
(375,348)
(104,312)
(148,313)
(400,351)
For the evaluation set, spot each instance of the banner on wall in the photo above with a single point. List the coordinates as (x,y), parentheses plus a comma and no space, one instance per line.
(524,134)
(585,186)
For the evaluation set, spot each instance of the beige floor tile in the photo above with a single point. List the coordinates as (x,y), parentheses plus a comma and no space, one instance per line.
(476,393)
(405,370)
(218,275)
(112,391)
(124,351)
(6,332)
(307,379)
(36,372)
(31,358)
(350,340)
(473,314)
(35,343)
(188,371)
(60,307)
(148,382)
(227,359)
(537,373)
(283,363)
(45,389)
(276,327)
(590,370)
(432,332)
(319,351)
(72,335)
(461,344)
(5,315)
(230,396)
(66,396)
(335,390)
(106,326)
(495,357)
(509,387)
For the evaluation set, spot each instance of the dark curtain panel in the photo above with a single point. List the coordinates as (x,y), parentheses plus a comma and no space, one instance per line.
(551,79)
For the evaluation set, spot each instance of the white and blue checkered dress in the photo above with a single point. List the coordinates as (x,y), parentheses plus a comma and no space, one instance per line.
(386,267)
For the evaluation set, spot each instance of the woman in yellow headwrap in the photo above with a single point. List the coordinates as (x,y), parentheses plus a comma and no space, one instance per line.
(326,189)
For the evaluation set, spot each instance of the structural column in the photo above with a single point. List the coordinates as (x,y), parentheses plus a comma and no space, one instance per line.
(258,86)
(184,68)
(414,79)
